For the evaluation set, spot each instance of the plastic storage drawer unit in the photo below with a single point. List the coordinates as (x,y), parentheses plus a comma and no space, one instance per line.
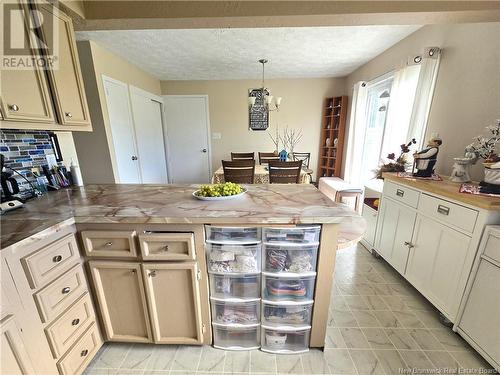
(281,288)
(286,313)
(233,234)
(233,311)
(234,286)
(285,340)
(236,337)
(290,257)
(233,258)
(305,234)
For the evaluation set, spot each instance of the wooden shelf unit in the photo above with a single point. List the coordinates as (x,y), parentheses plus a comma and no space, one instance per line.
(332,127)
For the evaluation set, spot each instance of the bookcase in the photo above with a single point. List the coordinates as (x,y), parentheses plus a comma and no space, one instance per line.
(331,145)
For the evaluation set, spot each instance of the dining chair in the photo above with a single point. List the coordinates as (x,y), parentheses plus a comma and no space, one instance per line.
(239,171)
(304,156)
(284,172)
(242,156)
(264,157)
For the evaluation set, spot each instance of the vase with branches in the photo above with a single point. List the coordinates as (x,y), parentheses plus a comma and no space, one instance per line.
(393,164)
(276,139)
(290,139)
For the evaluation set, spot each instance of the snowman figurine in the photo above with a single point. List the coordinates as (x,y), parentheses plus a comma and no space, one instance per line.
(425,160)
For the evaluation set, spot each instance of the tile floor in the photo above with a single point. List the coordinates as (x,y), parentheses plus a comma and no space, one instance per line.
(378,324)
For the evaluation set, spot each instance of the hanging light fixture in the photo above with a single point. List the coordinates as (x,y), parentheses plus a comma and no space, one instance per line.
(270,103)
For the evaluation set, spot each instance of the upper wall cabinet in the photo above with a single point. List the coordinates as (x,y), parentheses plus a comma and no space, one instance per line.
(52,98)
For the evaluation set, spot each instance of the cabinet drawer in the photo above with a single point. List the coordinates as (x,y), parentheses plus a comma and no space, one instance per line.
(69,326)
(109,244)
(451,213)
(49,262)
(401,193)
(492,247)
(79,356)
(61,293)
(167,246)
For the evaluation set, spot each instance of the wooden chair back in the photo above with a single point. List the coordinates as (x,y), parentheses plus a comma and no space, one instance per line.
(242,156)
(239,171)
(284,172)
(304,156)
(264,157)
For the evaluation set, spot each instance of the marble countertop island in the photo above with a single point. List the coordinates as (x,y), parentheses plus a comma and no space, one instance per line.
(174,204)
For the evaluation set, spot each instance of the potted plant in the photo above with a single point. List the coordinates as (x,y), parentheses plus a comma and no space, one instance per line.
(393,164)
(484,148)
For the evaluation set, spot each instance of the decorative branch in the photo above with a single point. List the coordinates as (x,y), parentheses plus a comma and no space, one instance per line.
(276,139)
(290,138)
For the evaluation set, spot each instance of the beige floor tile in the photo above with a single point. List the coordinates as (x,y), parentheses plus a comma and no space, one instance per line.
(395,303)
(365,289)
(391,361)
(110,356)
(401,339)
(450,340)
(208,373)
(212,360)
(387,319)
(339,362)
(100,371)
(417,302)
(138,357)
(416,360)
(334,339)
(186,358)
(159,372)
(354,338)
(443,360)
(377,338)
(237,362)
(429,318)
(375,303)
(374,277)
(343,319)
(338,303)
(356,303)
(425,339)
(470,360)
(403,288)
(347,289)
(261,362)
(289,364)
(162,357)
(408,319)
(314,362)
(366,318)
(383,290)
(366,362)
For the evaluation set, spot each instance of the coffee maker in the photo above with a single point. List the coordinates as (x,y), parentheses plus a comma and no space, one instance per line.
(10,188)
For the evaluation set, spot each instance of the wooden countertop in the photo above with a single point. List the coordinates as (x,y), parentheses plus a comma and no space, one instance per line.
(447,189)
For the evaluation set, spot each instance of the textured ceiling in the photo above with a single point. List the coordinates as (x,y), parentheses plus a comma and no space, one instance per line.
(205,54)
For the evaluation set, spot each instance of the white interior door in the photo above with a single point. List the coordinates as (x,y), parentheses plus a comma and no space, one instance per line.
(188,129)
(147,114)
(122,131)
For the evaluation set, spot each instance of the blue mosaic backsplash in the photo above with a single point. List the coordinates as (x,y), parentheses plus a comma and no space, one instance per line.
(24,149)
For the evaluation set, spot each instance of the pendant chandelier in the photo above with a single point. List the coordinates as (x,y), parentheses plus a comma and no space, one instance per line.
(270,102)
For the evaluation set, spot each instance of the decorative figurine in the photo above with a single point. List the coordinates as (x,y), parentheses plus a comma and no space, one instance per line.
(283,155)
(425,160)
(461,168)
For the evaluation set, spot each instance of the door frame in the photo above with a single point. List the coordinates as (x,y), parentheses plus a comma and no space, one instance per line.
(209,132)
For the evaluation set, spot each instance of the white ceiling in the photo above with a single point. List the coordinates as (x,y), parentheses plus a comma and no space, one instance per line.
(208,54)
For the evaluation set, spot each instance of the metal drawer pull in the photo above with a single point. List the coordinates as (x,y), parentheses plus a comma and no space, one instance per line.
(84,352)
(443,210)
(57,258)
(68,114)
(400,193)
(152,273)
(75,322)
(409,244)
(14,107)
(66,290)
(165,248)
(109,243)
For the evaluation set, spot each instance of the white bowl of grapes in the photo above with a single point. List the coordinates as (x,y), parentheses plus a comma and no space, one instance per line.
(219,192)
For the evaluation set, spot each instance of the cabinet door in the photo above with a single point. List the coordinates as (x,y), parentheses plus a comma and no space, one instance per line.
(396,223)
(174,302)
(66,80)
(436,263)
(121,299)
(24,93)
(15,359)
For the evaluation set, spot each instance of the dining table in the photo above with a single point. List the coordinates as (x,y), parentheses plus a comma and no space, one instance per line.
(262,175)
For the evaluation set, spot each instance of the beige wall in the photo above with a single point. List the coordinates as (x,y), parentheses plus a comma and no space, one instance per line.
(301,108)
(95,150)
(467,93)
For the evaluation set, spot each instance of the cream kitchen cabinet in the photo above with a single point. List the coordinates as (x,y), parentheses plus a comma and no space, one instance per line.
(122,300)
(15,358)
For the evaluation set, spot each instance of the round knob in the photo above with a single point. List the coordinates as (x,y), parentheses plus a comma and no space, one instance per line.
(409,244)
(75,322)
(14,107)
(57,258)
(84,352)
(134,157)
(165,248)
(109,243)
(68,114)
(204,150)
(152,273)
(66,290)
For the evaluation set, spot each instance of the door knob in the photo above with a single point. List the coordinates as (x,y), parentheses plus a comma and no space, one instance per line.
(134,157)
(14,107)
(409,244)
(68,114)
(204,150)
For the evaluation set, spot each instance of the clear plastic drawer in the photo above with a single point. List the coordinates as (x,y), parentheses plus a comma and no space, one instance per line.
(285,340)
(233,234)
(280,288)
(286,313)
(232,258)
(234,286)
(234,337)
(291,257)
(235,312)
(309,234)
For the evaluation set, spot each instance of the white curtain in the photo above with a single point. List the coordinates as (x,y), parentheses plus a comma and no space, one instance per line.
(357,125)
